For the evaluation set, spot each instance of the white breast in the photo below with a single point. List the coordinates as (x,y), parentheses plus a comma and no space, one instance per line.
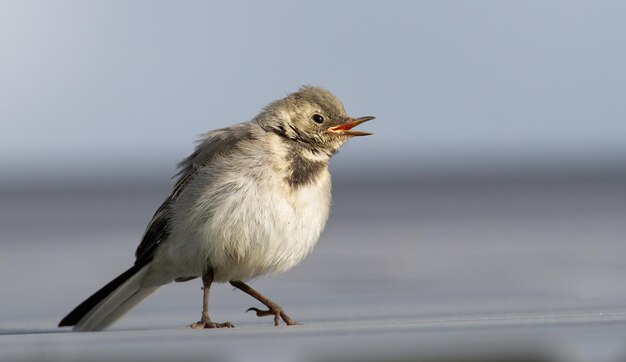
(266,228)
(244,222)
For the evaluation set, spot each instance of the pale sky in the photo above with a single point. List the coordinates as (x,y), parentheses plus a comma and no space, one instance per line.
(99,86)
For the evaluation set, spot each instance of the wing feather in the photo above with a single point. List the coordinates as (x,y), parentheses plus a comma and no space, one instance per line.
(211,144)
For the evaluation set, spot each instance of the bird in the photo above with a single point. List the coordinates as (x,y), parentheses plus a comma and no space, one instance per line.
(251,200)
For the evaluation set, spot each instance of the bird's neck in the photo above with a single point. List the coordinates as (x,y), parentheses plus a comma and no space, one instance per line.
(304,166)
(298,165)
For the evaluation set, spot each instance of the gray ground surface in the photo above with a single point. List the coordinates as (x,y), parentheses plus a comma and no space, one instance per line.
(416,268)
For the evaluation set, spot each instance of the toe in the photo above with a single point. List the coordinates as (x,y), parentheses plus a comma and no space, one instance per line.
(219,325)
(210,325)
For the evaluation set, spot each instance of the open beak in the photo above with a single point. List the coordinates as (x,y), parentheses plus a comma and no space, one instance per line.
(345,128)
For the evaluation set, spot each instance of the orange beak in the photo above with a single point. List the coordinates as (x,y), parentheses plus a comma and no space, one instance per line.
(346,128)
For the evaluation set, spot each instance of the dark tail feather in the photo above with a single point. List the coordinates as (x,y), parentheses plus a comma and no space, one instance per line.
(85,307)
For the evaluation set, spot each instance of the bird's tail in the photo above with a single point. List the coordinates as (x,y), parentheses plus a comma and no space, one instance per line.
(111,302)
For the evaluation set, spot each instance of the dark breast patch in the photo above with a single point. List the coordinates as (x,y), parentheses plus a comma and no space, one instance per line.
(302,170)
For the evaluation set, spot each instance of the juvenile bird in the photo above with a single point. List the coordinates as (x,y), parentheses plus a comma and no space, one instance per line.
(251,200)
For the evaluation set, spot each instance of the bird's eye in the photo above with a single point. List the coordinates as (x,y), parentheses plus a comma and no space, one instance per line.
(317,118)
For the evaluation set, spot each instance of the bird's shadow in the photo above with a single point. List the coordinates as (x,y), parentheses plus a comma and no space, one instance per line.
(18,331)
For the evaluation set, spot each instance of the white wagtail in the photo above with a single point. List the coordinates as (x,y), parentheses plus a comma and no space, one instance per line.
(251,200)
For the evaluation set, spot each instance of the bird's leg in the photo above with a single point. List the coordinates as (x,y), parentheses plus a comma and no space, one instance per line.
(205,320)
(273,308)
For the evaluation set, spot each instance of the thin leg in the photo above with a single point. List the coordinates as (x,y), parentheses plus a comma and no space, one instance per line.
(207,280)
(273,308)
(205,321)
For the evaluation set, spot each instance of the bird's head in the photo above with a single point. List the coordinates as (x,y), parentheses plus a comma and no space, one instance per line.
(315,119)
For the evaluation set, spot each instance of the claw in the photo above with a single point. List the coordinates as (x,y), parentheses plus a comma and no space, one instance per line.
(273,308)
(277,312)
(205,325)
(261,313)
(265,313)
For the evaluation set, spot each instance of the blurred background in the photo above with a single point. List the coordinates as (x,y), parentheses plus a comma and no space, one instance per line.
(494,188)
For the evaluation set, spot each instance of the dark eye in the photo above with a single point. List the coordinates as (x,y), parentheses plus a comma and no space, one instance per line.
(317,118)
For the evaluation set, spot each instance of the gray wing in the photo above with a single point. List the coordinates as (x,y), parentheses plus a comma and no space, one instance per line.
(213,143)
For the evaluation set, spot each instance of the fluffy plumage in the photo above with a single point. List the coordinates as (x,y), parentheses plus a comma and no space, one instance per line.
(251,200)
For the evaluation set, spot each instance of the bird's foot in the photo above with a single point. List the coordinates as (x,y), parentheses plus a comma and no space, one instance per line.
(209,324)
(277,312)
